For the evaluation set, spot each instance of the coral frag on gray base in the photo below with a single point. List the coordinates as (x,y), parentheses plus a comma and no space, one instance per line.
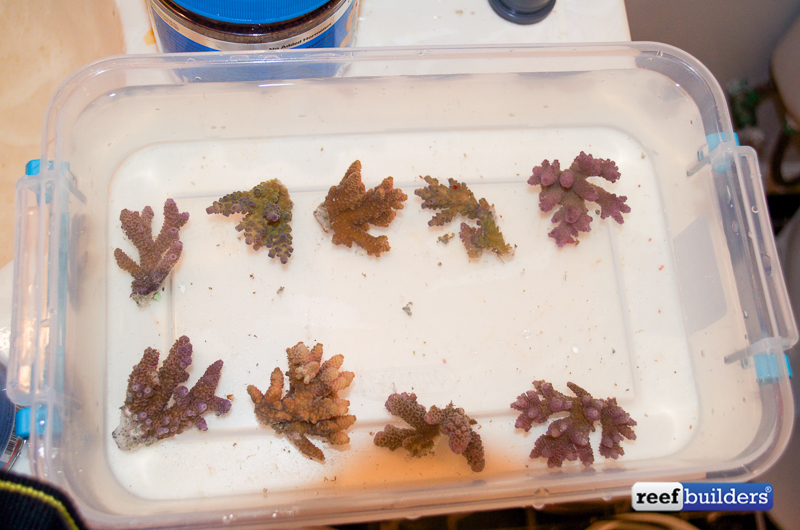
(158,406)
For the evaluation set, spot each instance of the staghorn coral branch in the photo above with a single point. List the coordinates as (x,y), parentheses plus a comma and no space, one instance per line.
(147,415)
(457,199)
(311,407)
(157,256)
(426,428)
(349,210)
(571,190)
(267,212)
(567,438)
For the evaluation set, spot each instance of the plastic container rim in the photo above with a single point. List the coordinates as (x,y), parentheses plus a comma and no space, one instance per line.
(65,89)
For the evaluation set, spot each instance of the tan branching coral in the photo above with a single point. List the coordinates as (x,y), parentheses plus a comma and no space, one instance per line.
(156,256)
(349,210)
(312,406)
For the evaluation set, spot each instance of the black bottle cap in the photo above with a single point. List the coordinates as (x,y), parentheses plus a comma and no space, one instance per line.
(523,11)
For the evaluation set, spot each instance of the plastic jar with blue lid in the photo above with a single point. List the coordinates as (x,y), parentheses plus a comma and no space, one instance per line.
(235,25)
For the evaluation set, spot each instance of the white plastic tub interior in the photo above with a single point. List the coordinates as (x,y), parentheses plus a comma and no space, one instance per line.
(667,312)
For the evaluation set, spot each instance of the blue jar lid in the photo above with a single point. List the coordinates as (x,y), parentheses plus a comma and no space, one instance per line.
(251,11)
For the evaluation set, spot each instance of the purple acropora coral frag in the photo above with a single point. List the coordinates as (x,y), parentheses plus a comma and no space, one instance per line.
(571,190)
(567,438)
(157,256)
(148,416)
(426,428)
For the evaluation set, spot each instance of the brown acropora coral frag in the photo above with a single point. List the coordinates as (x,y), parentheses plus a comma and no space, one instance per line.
(156,256)
(426,428)
(568,438)
(312,406)
(148,416)
(457,199)
(349,210)
(570,189)
(267,212)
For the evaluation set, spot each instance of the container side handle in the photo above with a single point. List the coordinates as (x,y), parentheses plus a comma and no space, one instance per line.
(29,329)
(767,262)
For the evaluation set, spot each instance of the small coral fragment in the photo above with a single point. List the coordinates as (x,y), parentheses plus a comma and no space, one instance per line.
(570,189)
(156,256)
(567,438)
(148,415)
(312,406)
(426,428)
(349,210)
(457,199)
(267,212)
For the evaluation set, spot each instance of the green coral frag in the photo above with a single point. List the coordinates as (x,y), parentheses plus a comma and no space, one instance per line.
(267,212)
(456,198)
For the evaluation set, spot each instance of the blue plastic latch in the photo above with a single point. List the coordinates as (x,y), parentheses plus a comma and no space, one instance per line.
(713,141)
(767,370)
(33,167)
(22,423)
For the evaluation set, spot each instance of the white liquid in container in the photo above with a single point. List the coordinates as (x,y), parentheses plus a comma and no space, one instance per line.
(603,314)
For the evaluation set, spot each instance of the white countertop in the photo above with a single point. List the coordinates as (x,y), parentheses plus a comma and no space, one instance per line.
(444,22)
(437,22)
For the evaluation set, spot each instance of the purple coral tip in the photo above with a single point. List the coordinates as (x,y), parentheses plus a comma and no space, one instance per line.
(567,179)
(591,413)
(557,404)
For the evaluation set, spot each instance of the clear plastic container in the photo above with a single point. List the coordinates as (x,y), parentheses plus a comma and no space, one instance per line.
(680,313)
